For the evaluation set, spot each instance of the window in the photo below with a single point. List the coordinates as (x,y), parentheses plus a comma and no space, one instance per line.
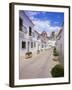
(30,31)
(31,44)
(20,24)
(23,44)
(34,44)
(42,46)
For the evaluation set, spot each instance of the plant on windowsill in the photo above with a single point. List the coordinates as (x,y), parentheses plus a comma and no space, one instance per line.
(28,55)
(57,71)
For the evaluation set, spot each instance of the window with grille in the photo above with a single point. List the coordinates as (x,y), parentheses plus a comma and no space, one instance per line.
(34,44)
(20,24)
(30,31)
(23,44)
(31,44)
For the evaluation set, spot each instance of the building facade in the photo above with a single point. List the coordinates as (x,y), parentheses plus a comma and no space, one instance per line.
(60,44)
(44,40)
(29,39)
(25,33)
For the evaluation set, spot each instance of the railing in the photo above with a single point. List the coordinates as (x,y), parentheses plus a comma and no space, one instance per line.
(21,34)
(24,35)
(24,29)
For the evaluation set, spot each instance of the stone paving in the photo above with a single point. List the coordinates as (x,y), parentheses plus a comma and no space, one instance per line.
(39,66)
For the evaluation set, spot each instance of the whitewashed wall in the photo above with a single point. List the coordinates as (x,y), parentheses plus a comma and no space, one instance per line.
(60,46)
(25,36)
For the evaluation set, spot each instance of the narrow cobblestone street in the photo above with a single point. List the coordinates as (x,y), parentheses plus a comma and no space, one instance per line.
(38,66)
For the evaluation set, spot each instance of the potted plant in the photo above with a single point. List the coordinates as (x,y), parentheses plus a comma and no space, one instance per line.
(58,71)
(28,55)
(55,55)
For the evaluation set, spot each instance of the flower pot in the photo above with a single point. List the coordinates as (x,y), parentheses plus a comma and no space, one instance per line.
(28,55)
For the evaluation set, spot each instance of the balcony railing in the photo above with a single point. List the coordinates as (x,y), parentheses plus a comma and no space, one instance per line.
(21,34)
(24,29)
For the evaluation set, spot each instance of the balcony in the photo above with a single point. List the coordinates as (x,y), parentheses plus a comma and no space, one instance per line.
(21,34)
(22,31)
(30,37)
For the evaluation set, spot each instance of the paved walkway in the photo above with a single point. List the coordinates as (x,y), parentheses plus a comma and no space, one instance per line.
(38,66)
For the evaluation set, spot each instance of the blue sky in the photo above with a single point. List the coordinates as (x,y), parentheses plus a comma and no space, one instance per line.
(46,21)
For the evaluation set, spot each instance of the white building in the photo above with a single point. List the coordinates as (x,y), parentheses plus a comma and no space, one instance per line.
(51,43)
(25,33)
(44,40)
(37,41)
(41,40)
(29,39)
(60,44)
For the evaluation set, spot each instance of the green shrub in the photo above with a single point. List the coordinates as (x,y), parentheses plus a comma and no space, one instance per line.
(58,71)
(55,53)
(54,48)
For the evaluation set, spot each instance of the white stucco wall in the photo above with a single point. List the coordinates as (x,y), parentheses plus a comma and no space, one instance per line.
(25,36)
(60,46)
(26,21)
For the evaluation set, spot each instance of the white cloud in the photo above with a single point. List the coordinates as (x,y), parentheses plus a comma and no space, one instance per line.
(54,28)
(45,26)
(31,13)
(42,25)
